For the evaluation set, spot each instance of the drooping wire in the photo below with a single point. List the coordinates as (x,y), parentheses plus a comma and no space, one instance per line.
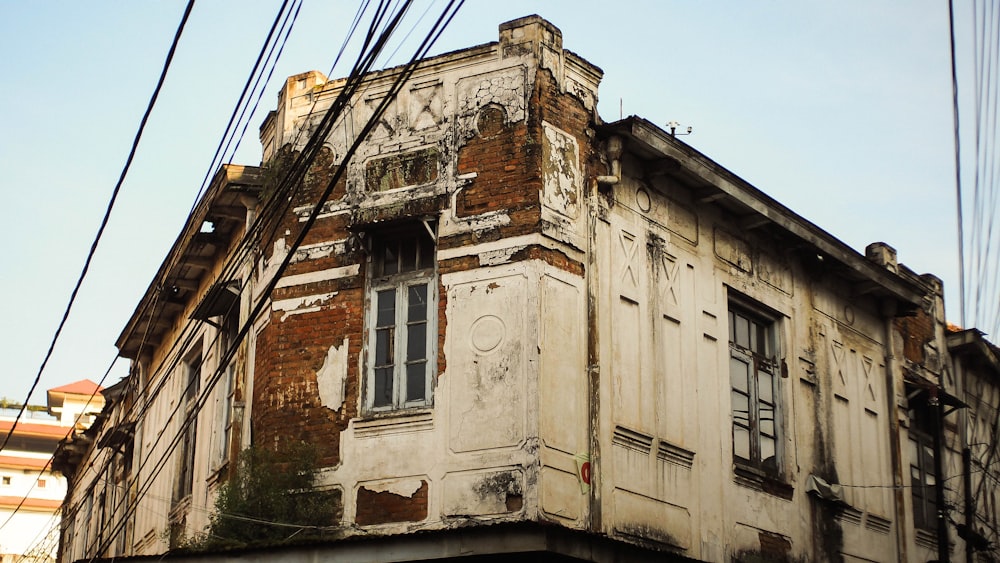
(979,242)
(254,77)
(320,134)
(107,216)
(286,19)
(260,93)
(69,430)
(958,163)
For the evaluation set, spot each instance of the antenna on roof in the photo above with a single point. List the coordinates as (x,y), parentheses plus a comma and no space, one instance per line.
(673,125)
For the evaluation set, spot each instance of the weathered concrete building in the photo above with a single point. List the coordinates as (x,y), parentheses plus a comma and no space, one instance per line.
(513,328)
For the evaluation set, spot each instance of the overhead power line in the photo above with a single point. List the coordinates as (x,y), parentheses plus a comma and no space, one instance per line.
(304,160)
(107,216)
(137,409)
(978,189)
(286,18)
(958,164)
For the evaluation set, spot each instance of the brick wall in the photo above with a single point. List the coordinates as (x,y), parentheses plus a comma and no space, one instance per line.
(916,332)
(293,346)
(385,506)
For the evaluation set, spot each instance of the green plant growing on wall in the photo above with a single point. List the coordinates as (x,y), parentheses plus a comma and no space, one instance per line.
(270,499)
(274,172)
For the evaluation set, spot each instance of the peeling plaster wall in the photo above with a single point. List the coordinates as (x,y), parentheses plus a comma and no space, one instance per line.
(492,144)
(668,268)
(582,353)
(332,377)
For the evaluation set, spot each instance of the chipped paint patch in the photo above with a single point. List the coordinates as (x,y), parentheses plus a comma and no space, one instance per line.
(493,246)
(331,379)
(300,305)
(404,488)
(560,171)
(329,209)
(486,493)
(500,256)
(318,276)
(269,267)
(506,88)
(321,250)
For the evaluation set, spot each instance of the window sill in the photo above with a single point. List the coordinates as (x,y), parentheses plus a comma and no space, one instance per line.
(925,538)
(180,509)
(393,422)
(218,473)
(756,479)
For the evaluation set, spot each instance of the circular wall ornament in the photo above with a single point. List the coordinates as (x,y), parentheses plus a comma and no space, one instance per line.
(643,200)
(491,120)
(487,334)
(849,315)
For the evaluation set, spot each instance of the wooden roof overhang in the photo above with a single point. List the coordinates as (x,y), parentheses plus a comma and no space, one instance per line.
(709,182)
(197,250)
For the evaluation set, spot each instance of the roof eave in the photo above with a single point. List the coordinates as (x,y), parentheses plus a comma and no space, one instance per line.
(230,178)
(645,137)
(971,343)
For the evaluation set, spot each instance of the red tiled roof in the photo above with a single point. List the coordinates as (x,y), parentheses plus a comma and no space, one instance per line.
(82,387)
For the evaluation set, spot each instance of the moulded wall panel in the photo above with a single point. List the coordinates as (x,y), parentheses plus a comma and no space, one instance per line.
(672,386)
(487,363)
(673,478)
(646,518)
(632,458)
(626,372)
(714,460)
(480,493)
(860,431)
(862,544)
(562,496)
(633,395)
(563,419)
(842,444)
(874,467)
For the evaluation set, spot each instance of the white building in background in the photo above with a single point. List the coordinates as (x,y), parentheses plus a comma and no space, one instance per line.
(30,492)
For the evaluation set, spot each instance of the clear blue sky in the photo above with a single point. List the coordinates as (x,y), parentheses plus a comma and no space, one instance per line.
(840,110)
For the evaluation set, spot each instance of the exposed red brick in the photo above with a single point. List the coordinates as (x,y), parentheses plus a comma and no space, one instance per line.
(386,507)
(916,332)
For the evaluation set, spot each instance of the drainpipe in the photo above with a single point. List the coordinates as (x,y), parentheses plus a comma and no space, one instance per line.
(615,155)
(970,513)
(888,309)
(593,372)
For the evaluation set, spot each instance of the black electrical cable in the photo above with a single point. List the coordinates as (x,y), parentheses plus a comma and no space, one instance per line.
(148,401)
(301,171)
(69,430)
(260,93)
(320,134)
(958,164)
(107,216)
(253,79)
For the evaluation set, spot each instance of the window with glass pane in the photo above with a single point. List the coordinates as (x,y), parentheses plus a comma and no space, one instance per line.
(922,476)
(225,391)
(401,322)
(184,477)
(752,370)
